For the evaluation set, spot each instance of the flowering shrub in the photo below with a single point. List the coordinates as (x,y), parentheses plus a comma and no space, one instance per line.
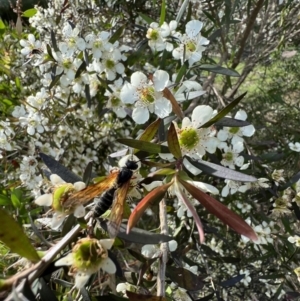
(88,83)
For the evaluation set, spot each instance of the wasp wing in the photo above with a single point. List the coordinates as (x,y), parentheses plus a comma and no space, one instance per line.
(84,196)
(116,214)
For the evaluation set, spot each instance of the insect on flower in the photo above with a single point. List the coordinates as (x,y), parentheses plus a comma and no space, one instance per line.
(114,189)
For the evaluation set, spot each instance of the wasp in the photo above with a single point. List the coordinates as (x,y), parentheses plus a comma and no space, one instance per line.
(113,190)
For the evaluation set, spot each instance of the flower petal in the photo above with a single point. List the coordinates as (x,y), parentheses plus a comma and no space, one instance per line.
(57,220)
(44,200)
(79,211)
(108,266)
(140,115)
(160,79)
(56,179)
(79,186)
(81,279)
(107,243)
(67,260)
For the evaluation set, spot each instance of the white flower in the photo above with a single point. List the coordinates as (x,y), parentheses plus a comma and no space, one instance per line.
(236,133)
(193,141)
(110,64)
(294,146)
(34,122)
(147,95)
(247,279)
(189,89)
(87,257)
(231,187)
(57,200)
(231,154)
(114,102)
(99,44)
(72,41)
(153,251)
(157,35)
(263,232)
(30,44)
(294,240)
(192,44)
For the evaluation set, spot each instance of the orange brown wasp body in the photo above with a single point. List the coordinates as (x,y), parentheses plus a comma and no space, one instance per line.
(114,190)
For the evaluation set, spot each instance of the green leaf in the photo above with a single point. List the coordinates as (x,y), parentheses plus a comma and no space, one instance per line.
(182,10)
(13,236)
(162,13)
(150,131)
(218,70)
(117,34)
(184,278)
(29,13)
(221,171)
(173,142)
(146,18)
(4,200)
(2,25)
(182,72)
(16,197)
(146,146)
(55,80)
(224,111)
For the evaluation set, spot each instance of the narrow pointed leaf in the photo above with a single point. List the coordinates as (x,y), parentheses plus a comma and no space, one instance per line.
(146,18)
(232,281)
(87,175)
(181,196)
(154,196)
(224,111)
(146,146)
(216,208)
(29,13)
(175,106)
(14,237)
(231,122)
(173,142)
(59,169)
(55,80)
(150,131)
(162,12)
(118,33)
(182,72)
(182,10)
(184,278)
(218,70)
(139,236)
(221,171)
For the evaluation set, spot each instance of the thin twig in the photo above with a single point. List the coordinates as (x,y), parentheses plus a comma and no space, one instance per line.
(161,287)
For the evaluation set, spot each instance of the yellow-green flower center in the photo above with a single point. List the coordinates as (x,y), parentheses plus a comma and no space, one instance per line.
(67,64)
(147,95)
(88,254)
(97,44)
(115,101)
(188,138)
(190,45)
(154,35)
(234,130)
(110,64)
(60,195)
(72,42)
(228,156)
